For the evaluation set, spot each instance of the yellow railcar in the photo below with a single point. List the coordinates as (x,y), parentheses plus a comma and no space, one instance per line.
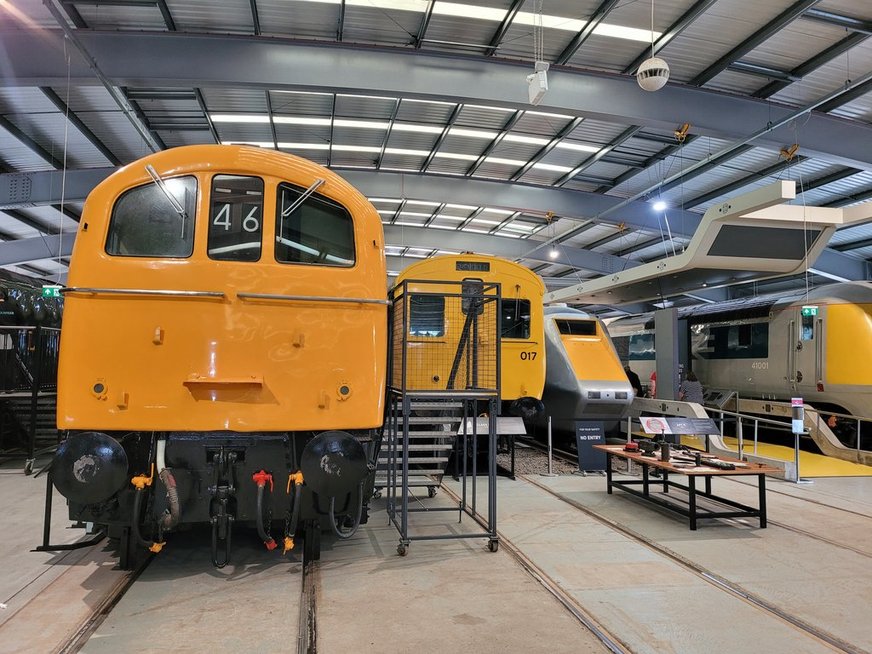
(434,331)
(225,317)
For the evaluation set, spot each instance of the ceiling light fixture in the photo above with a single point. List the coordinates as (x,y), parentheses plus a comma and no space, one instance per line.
(537,82)
(660,205)
(654,72)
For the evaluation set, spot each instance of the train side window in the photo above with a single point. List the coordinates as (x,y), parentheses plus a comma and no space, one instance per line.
(315,231)
(145,223)
(426,315)
(807,333)
(235,218)
(516,319)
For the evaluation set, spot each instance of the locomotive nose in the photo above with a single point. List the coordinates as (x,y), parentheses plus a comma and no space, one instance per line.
(333,464)
(89,467)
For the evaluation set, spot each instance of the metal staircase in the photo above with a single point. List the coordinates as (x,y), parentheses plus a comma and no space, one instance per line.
(432,437)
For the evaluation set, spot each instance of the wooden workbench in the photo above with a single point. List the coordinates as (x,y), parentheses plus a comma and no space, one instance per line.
(692,472)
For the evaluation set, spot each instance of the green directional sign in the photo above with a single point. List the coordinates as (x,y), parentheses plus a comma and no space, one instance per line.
(809,310)
(51,291)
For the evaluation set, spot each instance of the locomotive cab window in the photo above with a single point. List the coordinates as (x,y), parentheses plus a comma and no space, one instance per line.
(314,231)
(576,327)
(235,218)
(516,319)
(154,220)
(426,315)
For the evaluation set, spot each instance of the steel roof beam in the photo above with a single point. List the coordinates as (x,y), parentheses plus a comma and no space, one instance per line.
(127,108)
(762,71)
(603,152)
(79,125)
(760,36)
(498,36)
(207,60)
(202,102)
(340,26)
(24,250)
(536,158)
(442,136)
(507,127)
(166,15)
(674,147)
(30,222)
(774,169)
(853,245)
(862,196)
(685,21)
(848,96)
(810,65)
(510,248)
(425,23)
(255,17)
(30,144)
(839,20)
(592,23)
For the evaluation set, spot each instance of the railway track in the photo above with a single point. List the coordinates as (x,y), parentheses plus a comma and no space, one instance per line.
(571,458)
(714,579)
(307,617)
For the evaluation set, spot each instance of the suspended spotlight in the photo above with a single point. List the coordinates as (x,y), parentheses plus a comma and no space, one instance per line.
(554,252)
(660,205)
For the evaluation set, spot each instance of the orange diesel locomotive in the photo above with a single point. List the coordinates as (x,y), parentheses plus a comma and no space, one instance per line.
(224,349)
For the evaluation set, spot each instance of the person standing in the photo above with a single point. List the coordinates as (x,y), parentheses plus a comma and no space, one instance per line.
(635,382)
(652,384)
(690,389)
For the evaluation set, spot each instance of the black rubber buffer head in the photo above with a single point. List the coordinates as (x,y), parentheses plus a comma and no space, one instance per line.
(89,467)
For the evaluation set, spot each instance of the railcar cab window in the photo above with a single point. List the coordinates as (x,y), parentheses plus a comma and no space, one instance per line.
(146,223)
(576,327)
(315,231)
(426,315)
(516,319)
(235,218)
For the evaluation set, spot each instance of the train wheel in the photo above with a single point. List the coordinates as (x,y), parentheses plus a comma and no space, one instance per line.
(431,491)
(493,545)
(402,550)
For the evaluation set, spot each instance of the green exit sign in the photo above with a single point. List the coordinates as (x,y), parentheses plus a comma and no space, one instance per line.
(809,311)
(51,291)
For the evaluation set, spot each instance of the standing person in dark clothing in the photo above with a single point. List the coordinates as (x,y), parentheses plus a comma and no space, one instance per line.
(635,382)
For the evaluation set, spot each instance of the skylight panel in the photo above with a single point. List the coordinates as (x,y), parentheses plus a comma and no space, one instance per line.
(257,144)
(473,133)
(552,167)
(419,129)
(503,212)
(456,219)
(529,140)
(457,156)
(305,146)
(629,33)
(388,200)
(490,108)
(423,203)
(239,118)
(404,151)
(484,221)
(469,11)
(505,162)
(415,214)
(545,114)
(464,207)
(579,147)
(477,231)
(357,148)
(407,224)
(301,120)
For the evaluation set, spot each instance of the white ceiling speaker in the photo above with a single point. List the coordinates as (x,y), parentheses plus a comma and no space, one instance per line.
(653,74)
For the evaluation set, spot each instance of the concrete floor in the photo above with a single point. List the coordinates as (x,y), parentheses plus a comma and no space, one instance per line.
(812,562)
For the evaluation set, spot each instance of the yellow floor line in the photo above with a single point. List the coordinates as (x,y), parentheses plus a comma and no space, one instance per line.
(810,464)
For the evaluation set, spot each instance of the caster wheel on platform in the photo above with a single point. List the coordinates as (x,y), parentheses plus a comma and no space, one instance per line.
(493,545)
(376,494)
(402,550)
(28,467)
(431,491)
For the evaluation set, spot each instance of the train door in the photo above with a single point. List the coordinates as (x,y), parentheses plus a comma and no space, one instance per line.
(805,343)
